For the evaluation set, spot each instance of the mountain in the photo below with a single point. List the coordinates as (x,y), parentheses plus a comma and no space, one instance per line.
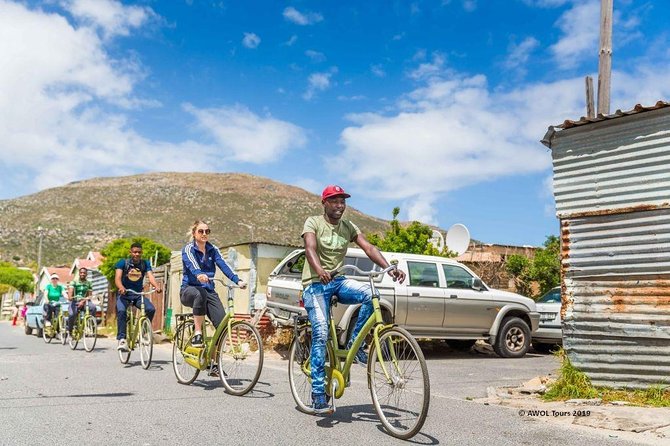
(86,215)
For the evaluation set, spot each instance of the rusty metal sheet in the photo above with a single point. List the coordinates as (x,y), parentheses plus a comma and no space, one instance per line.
(616,297)
(618,165)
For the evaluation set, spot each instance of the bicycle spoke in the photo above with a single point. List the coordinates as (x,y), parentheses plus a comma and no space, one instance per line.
(299,376)
(240,358)
(399,383)
(185,372)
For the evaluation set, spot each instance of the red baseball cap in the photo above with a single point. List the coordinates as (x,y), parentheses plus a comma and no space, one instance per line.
(334,191)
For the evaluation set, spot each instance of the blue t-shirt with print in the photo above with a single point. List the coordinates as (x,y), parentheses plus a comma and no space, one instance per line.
(132,274)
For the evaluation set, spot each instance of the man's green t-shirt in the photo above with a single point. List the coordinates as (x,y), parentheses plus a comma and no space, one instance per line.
(54,293)
(81,289)
(331,244)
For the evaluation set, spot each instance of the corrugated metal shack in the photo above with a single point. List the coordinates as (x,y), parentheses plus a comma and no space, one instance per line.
(612,190)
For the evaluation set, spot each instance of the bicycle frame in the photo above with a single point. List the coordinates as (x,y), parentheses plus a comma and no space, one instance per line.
(374,324)
(134,322)
(194,355)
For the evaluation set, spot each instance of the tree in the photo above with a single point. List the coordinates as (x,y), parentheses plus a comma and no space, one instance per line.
(413,239)
(17,278)
(544,268)
(120,248)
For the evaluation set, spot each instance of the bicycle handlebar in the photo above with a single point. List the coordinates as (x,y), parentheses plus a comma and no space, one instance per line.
(144,293)
(230,285)
(371,273)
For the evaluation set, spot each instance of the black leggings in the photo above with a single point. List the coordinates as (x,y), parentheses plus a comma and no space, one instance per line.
(203,302)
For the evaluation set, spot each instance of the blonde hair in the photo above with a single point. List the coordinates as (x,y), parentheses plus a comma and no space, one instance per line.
(194,226)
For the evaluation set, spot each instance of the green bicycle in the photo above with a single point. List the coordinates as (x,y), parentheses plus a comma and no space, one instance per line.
(138,332)
(57,327)
(236,346)
(85,327)
(397,373)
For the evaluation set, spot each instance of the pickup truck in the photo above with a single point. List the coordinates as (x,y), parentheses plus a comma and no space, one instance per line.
(440,299)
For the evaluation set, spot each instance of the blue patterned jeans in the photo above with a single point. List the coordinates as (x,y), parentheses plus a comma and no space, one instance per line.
(316,298)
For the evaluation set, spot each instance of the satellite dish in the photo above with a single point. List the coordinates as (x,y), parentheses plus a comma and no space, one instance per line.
(437,240)
(458,238)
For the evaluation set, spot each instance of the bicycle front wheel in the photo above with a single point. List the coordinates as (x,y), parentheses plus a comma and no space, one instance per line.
(185,372)
(399,383)
(146,343)
(299,371)
(61,330)
(90,333)
(240,358)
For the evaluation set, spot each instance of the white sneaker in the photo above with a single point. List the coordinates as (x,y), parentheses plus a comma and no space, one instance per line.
(123,346)
(47,323)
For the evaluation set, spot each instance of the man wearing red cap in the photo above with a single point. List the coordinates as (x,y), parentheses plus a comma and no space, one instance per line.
(326,239)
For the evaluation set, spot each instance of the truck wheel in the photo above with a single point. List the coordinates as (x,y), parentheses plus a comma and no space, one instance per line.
(513,340)
(26,329)
(541,347)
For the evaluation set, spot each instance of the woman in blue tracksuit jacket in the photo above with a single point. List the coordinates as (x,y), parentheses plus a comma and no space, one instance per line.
(200,259)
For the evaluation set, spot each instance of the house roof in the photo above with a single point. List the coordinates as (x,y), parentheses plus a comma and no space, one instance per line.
(63,272)
(569,123)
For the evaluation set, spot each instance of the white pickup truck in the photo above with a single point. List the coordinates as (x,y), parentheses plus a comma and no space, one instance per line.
(440,299)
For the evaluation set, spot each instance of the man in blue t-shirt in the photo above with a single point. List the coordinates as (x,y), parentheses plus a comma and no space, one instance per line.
(129,276)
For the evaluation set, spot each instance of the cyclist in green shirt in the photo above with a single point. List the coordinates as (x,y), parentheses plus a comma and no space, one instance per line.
(54,293)
(78,290)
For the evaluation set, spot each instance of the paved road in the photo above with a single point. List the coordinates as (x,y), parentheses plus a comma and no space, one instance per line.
(50,394)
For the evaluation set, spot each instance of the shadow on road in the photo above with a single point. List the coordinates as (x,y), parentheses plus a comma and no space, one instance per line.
(367,413)
(80,395)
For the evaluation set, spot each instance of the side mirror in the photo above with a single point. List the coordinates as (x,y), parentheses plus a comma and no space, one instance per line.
(477,284)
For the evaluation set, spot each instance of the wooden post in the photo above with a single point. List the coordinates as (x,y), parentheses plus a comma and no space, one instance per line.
(605,59)
(590,107)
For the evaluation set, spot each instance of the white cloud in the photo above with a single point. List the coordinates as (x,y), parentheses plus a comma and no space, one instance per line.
(519,54)
(580,29)
(112,17)
(315,56)
(456,130)
(251,40)
(63,121)
(292,40)
(378,70)
(358,97)
(398,36)
(317,82)
(244,136)
(469,5)
(420,208)
(546,3)
(429,69)
(309,18)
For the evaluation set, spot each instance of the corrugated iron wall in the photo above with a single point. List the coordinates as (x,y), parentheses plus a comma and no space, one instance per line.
(617,297)
(613,165)
(612,189)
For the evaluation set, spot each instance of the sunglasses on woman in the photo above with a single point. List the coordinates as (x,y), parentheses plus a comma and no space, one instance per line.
(204,231)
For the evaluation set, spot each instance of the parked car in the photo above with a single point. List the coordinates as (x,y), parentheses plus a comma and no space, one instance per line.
(35,315)
(550,332)
(440,299)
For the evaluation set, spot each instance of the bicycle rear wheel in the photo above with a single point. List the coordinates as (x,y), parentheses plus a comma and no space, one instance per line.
(74,337)
(90,333)
(185,372)
(240,358)
(299,374)
(401,395)
(48,335)
(146,343)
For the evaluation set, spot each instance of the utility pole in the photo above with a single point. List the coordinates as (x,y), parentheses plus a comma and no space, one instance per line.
(590,108)
(40,233)
(605,58)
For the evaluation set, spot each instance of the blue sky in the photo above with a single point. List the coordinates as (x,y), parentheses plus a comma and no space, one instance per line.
(436,106)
